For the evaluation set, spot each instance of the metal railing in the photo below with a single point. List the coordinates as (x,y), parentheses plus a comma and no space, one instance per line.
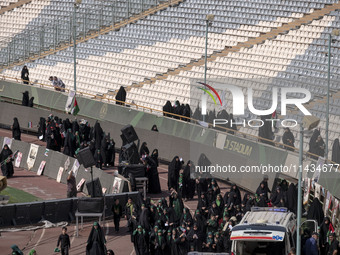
(179,117)
(40,36)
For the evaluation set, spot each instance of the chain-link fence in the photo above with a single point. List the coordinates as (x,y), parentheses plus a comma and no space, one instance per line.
(54,26)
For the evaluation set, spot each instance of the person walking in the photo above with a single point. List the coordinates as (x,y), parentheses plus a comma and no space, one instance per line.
(64,241)
(117,214)
(311,245)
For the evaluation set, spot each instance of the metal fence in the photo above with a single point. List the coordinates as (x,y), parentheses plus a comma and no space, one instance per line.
(50,30)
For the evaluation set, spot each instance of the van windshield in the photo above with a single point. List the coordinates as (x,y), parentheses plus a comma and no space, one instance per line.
(260,248)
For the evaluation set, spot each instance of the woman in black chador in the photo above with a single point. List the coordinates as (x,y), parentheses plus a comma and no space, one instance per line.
(144,150)
(188,183)
(16,132)
(152,173)
(96,241)
(6,162)
(25,75)
(173,173)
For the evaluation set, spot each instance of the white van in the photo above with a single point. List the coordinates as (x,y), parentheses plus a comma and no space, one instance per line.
(266,231)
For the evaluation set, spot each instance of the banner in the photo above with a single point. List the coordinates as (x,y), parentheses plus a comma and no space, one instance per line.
(80,184)
(69,102)
(41,167)
(319,165)
(32,155)
(18,159)
(75,168)
(7,141)
(60,173)
(117,183)
(307,187)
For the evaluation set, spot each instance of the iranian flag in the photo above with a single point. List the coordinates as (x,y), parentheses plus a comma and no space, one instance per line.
(75,108)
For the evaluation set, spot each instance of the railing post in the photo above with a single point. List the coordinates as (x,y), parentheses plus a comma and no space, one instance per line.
(84,25)
(113,17)
(128,9)
(70,32)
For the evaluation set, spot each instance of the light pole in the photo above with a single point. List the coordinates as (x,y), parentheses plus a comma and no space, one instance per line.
(208,21)
(76,6)
(309,122)
(299,207)
(335,32)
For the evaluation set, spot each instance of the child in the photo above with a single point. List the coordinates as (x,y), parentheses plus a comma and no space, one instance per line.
(64,241)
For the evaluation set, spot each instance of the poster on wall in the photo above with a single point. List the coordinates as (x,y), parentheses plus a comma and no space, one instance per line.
(32,155)
(335,211)
(18,159)
(7,141)
(104,190)
(80,184)
(306,191)
(60,174)
(327,202)
(317,190)
(75,168)
(69,102)
(41,167)
(67,164)
(117,183)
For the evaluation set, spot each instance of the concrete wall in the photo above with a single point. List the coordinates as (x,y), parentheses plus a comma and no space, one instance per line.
(186,140)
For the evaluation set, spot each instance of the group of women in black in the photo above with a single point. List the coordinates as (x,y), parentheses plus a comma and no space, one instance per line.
(167,227)
(283,195)
(70,137)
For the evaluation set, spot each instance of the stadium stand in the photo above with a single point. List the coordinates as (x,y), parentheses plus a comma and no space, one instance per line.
(160,56)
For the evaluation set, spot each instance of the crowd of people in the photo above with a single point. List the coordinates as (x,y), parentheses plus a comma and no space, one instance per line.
(69,137)
(167,227)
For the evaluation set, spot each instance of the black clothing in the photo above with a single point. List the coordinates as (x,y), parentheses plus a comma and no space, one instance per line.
(69,144)
(315,211)
(16,132)
(7,167)
(121,96)
(188,191)
(316,147)
(25,98)
(64,241)
(292,198)
(154,128)
(154,186)
(334,246)
(31,102)
(266,130)
(140,243)
(324,228)
(98,135)
(336,151)
(104,149)
(96,242)
(42,129)
(144,150)
(288,139)
(154,156)
(168,109)
(173,173)
(25,75)
(117,211)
